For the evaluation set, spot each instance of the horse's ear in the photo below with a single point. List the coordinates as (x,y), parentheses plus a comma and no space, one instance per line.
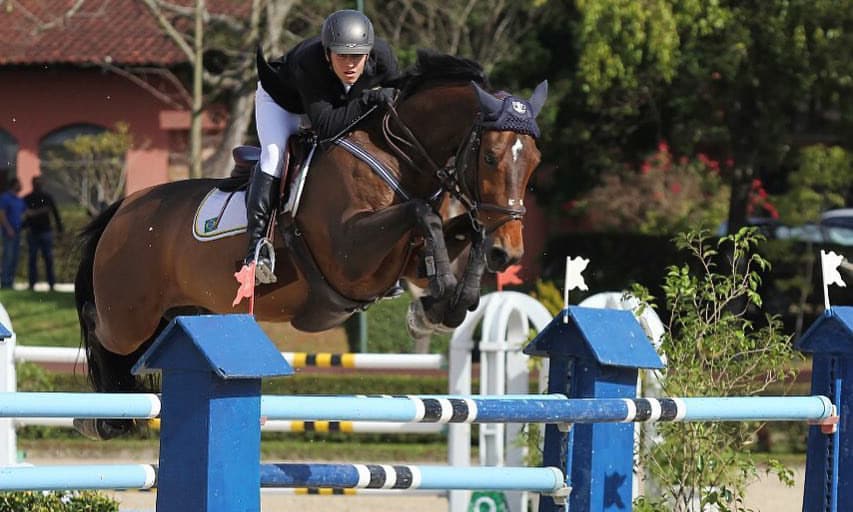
(540,94)
(489,105)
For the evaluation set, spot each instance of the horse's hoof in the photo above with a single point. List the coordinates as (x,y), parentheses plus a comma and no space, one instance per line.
(415,325)
(101,430)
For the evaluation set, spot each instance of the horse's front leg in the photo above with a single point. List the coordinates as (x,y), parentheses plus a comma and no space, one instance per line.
(449,312)
(385,228)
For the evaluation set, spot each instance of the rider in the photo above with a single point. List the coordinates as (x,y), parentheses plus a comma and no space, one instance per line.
(334,79)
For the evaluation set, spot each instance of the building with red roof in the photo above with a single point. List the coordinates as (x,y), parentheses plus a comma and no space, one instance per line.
(64,72)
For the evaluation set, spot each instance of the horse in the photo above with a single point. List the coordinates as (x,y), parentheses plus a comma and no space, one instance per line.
(355,233)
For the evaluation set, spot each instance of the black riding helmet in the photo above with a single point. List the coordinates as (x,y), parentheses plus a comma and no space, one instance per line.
(347,32)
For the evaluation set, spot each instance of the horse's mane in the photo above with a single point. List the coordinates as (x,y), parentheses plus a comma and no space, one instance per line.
(433,68)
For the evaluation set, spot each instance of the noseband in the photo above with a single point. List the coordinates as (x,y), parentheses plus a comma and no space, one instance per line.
(453,177)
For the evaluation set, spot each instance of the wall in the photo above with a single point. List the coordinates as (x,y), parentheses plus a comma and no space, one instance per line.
(35,102)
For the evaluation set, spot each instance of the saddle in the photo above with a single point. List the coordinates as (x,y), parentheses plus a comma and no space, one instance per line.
(247,157)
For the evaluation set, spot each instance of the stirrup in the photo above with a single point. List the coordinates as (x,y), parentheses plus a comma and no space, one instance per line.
(394,292)
(265,267)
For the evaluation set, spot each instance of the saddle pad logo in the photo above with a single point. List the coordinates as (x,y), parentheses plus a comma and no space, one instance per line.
(220,214)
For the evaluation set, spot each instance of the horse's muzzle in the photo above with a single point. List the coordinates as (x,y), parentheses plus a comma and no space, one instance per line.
(498,259)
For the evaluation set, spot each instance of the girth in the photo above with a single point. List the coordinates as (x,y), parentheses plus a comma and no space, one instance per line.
(325,307)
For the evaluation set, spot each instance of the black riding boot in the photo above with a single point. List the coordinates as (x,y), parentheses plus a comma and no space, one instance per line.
(260,199)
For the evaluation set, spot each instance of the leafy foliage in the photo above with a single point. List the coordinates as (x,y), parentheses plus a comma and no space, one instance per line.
(76,501)
(92,167)
(666,195)
(818,183)
(713,350)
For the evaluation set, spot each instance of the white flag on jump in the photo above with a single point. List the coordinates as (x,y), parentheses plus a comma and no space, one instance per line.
(574,279)
(829,263)
(574,267)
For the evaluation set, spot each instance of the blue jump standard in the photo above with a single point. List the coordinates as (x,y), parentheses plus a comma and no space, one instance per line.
(553,408)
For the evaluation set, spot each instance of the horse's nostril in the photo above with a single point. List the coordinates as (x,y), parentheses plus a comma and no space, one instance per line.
(498,257)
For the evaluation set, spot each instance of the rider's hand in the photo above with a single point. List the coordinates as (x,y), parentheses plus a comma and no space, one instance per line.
(378,96)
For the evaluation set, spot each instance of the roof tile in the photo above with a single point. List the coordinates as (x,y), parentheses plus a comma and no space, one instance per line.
(118,31)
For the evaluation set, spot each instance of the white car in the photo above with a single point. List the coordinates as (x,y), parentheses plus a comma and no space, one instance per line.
(837,226)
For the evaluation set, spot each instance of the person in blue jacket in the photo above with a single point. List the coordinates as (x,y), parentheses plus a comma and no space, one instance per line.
(12,209)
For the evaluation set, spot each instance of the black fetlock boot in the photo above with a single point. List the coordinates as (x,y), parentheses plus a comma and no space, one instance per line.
(260,200)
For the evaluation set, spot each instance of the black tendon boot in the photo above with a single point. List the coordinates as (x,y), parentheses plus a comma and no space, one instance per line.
(260,199)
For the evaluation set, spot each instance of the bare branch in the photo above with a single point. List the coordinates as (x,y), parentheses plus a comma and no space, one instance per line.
(129,74)
(170,29)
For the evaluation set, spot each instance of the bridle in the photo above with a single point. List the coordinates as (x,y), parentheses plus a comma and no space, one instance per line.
(453,177)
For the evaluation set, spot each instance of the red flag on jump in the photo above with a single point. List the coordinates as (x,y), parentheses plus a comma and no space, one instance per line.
(509,276)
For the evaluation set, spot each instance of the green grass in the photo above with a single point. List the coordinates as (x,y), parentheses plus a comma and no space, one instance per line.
(294,448)
(42,318)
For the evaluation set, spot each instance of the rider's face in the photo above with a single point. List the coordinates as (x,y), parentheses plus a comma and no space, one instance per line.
(348,67)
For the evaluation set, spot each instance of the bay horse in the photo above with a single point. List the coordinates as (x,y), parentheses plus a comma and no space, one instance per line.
(353,236)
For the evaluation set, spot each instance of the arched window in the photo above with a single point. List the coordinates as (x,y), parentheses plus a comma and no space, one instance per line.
(8,157)
(65,171)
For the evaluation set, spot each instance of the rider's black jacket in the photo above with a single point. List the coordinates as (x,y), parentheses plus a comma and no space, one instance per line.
(303,82)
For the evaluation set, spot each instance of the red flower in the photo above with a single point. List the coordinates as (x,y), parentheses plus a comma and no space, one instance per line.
(663,147)
(675,187)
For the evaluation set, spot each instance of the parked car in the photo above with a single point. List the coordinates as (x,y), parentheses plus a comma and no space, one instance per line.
(837,226)
(834,227)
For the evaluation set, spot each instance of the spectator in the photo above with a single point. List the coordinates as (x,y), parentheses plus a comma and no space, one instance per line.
(11,219)
(40,206)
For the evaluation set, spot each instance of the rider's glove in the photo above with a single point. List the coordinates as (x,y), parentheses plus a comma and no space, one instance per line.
(378,96)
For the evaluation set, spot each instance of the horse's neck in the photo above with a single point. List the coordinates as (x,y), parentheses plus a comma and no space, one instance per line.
(440,118)
(440,121)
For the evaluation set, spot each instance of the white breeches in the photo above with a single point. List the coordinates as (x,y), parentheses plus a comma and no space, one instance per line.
(275,125)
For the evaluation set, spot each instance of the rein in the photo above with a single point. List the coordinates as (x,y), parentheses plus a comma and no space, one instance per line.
(452,177)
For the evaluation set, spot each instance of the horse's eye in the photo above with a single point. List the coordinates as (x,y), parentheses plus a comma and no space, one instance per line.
(490,158)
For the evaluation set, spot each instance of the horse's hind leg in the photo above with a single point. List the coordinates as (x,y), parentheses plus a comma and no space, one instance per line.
(110,373)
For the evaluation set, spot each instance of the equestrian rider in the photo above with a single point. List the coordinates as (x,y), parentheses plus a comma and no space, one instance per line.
(334,79)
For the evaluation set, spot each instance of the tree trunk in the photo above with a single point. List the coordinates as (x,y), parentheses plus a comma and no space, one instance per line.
(196,132)
(220,163)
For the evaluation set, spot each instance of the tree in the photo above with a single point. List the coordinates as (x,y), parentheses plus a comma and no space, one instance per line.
(746,82)
(92,168)
(483,30)
(220,50)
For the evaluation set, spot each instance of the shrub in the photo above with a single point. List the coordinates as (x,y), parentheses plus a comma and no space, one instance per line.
(75,501)
(664,196)
(712,349)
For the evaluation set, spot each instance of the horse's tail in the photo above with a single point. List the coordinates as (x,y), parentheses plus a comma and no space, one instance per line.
(84,294)
(106,371)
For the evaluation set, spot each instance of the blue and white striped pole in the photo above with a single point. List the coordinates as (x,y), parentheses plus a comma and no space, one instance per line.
(554,408)
(376,476)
